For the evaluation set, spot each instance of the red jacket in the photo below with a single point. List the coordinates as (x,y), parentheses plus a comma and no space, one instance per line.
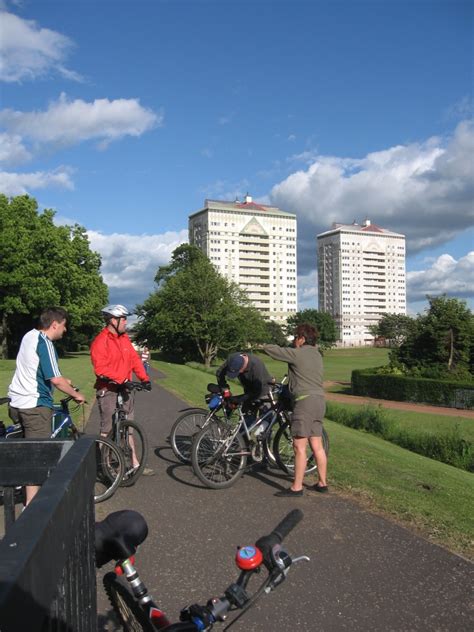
(115,357)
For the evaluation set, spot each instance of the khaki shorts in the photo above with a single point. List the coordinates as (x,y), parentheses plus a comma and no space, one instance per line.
(107,402)
(36,422)
(307,417)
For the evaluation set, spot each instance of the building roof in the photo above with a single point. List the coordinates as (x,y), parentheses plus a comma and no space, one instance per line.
(365,227)
(246,205)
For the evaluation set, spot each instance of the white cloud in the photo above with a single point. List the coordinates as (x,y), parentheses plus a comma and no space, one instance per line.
(445,276)
(130,262)
(12,184)
(424,190)
(12,150)
(28,51)
(67,122)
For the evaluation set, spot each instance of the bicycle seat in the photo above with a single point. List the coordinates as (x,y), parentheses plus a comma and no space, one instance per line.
(214,388)
(118,536)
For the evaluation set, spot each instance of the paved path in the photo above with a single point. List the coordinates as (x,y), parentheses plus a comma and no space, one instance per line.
(365,573)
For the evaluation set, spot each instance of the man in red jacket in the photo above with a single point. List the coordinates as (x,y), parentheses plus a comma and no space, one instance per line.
(114,360)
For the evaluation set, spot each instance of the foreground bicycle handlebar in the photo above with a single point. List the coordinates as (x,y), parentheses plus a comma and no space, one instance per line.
(119,535)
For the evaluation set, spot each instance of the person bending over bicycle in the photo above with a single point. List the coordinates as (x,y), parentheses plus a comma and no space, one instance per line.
(254,377)
(114,360)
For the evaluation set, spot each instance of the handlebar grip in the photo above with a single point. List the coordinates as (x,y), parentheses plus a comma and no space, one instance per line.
(279,533)
(288,523)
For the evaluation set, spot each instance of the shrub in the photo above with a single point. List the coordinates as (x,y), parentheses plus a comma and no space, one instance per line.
(371,383)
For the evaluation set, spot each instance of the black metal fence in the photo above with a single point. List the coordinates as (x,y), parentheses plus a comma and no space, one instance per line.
(47,569)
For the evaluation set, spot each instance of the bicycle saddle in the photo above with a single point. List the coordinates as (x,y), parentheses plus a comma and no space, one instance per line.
(118,536)
(214,388)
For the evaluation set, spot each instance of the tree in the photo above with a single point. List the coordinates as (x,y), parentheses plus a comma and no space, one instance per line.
(195,312)
(442,340)
(323,322)
(42,265)
(394,328)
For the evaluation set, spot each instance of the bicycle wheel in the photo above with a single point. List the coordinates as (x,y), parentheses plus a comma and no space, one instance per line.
(184,429)
(110,469)
(126,607)
(218,458)
(277,421)
(132,438)
(283,450)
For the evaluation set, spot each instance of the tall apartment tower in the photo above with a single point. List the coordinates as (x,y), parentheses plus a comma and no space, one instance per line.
(361,275)
(253,245)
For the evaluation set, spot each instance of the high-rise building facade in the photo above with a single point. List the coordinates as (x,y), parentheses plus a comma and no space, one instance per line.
(253,245)
(361,275)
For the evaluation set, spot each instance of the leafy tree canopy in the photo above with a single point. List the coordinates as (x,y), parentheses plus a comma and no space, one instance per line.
(43,265)
(441,342)
(195,313)
(323,322)
(395,328)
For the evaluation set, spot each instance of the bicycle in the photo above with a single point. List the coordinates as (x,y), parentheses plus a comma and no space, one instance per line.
(128,435)
(110,464)
(220,450)
(192,420)
(119,535)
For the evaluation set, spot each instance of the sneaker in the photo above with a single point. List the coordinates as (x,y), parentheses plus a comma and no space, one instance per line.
(322,489)
(289,493)
(148,472)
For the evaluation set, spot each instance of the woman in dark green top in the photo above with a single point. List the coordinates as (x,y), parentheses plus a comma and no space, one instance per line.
(305,381)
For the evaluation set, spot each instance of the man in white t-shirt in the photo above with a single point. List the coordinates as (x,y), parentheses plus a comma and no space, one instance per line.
(37,373)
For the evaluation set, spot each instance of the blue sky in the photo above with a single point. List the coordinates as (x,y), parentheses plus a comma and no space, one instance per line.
(125,115)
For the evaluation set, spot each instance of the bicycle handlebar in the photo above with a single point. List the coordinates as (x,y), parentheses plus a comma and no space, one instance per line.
(279,533)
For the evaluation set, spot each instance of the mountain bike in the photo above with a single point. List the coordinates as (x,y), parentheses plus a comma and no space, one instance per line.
(220,450)
(119,535)
(222,406)
(110,464)
(192,420)
(128,435)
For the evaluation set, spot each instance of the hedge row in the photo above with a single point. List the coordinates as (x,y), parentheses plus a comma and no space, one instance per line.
(401,388)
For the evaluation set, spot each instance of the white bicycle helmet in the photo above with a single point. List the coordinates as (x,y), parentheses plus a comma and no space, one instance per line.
(117,311)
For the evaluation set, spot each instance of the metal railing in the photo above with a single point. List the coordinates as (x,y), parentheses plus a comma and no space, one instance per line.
(47,561)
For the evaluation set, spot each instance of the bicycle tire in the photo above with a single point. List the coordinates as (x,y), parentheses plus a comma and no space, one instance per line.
(183,430)
(211,465)
(270,435)
(126,430)
(283,450)
(110,469)
(128,610)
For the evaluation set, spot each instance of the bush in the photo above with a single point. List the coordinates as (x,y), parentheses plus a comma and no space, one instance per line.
(371,383)
(448,448)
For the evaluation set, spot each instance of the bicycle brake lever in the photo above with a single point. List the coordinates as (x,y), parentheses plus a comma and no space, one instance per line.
(301,558)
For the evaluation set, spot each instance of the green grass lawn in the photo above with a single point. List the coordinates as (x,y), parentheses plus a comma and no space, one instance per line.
(424,422)
(433,498)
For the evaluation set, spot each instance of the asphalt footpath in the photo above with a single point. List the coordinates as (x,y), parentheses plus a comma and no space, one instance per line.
(365,573)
